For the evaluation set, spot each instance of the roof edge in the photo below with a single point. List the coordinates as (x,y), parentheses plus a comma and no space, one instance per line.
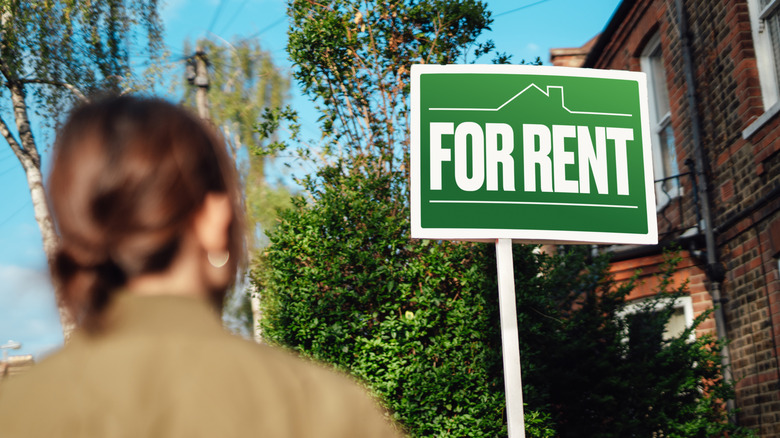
(609,30)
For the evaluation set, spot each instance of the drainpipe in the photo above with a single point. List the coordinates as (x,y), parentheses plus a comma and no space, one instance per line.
(715,271)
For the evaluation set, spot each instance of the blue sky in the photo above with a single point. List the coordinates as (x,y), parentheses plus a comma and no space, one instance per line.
(524,28)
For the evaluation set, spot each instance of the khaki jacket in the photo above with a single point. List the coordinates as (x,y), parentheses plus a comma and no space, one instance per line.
(164,367)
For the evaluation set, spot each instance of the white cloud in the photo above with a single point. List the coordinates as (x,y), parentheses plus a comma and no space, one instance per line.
(533,47)
(28,311)
(171,9)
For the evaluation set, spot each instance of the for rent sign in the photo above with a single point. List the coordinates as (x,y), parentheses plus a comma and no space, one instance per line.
(531,153)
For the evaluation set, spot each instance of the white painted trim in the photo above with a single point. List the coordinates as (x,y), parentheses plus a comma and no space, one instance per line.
(769,9)
(686,303)
(762,44)
(662,198)
(759,122)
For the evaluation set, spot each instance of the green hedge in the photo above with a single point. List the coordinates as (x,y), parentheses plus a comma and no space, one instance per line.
(417,321)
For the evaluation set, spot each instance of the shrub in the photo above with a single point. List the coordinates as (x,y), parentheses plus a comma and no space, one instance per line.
(417,321)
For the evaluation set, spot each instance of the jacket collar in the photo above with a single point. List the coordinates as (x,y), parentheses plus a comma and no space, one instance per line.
(131,313)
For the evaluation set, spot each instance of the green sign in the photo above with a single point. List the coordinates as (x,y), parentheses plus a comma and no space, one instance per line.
(531,153)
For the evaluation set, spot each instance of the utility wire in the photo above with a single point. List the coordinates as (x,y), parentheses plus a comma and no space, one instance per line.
(163,63)
(216,15)
(270,26)
(520,8)
(18,210)
(13,166)
(233,18)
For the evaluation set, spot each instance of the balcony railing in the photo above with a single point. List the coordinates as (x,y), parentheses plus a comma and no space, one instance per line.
(679,213)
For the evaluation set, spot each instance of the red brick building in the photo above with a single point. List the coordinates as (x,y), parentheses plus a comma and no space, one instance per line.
(714,90)
(571,56)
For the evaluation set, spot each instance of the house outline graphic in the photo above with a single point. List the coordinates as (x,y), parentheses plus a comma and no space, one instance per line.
(546,93)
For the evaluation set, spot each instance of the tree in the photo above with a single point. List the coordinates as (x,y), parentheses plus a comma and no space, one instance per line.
(352,57)
(53,53)
(244,83)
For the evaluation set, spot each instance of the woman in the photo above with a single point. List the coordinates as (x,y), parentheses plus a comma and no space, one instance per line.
(146,201)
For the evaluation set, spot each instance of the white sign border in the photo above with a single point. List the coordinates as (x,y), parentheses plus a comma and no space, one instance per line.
(528,235)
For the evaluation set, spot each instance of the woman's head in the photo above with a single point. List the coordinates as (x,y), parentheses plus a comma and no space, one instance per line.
(129,177)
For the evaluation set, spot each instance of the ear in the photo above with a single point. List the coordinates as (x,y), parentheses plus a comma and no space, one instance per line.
(211,223)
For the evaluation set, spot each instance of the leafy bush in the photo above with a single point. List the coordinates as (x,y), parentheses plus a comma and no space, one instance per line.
(601,373)
(347,286)
(417,320)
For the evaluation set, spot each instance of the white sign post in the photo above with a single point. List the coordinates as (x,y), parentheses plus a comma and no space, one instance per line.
(529,154)
(510,343)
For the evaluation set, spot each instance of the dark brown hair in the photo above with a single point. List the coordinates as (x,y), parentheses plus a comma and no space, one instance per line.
(127,178)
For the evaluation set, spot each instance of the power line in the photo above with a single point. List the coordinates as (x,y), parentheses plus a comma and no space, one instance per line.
(520,8)
(18,210)
(164,63)
(216,15)
(13,166)
(233,18)
(7,157)
(263,30)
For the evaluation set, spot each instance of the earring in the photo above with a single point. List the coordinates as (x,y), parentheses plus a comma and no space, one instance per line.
(218,259)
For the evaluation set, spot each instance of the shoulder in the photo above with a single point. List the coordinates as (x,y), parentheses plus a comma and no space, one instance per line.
(212,385)
(314,396)
(24,397)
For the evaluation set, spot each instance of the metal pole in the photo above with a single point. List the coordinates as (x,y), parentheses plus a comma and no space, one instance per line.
(6,346)
(202,82)
(714,271)
(510,343)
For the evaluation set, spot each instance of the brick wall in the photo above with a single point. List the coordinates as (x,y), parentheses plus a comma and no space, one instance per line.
(687,270)
(743,174)
(571,56)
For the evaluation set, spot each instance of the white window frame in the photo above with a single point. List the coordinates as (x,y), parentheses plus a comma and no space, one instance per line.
(685,303)
(657,124)
(765,58)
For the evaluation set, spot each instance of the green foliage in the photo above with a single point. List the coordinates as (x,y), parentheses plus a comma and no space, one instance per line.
(602,372)
(269,124)
(245,84)
(346,286)
(352,57)
(417,321)
(58,47)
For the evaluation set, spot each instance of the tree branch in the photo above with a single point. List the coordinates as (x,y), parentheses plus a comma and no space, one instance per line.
(23,123)
(9,137)
(72,88)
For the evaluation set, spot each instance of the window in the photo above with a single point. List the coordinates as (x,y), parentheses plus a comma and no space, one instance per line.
(681,318)
(765,24)
(664,152)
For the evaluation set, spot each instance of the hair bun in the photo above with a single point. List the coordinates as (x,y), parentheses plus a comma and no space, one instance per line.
(86,285)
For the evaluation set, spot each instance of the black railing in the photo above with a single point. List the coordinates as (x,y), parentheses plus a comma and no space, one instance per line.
(681,212)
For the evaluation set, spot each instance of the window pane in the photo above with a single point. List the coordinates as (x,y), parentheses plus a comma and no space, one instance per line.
(669,157)
(773,26)
(658,75)
(676,324)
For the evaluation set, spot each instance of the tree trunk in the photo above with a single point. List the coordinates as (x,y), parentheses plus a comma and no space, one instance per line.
(28,156)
